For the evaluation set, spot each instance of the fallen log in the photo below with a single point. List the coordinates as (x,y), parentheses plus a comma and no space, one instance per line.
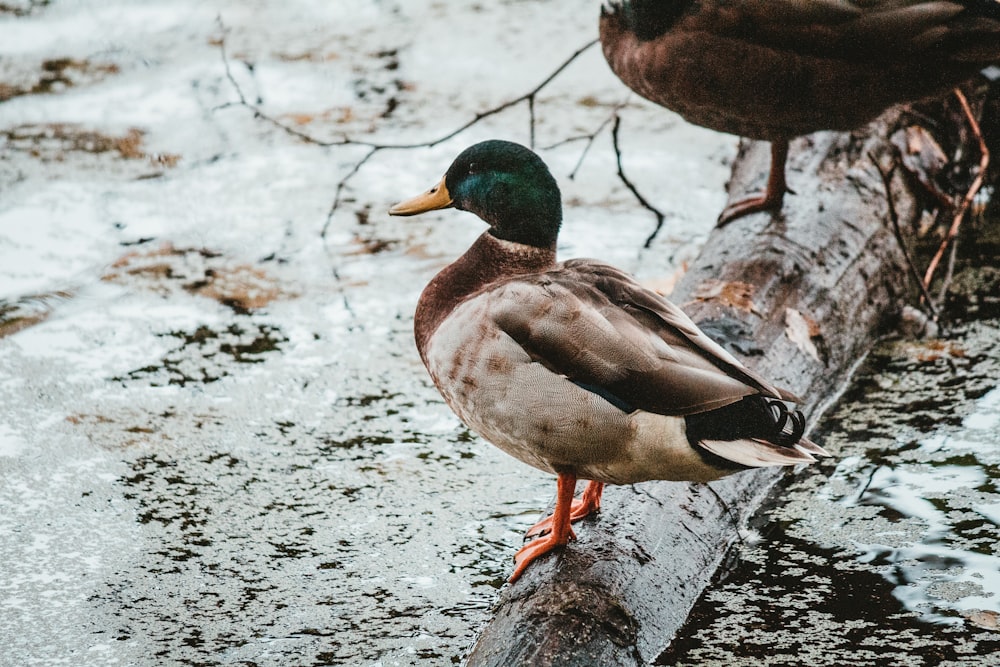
(801,299)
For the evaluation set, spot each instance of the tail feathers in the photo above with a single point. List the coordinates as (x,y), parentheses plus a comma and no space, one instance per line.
(787,395)
(754,417)
(789,426)
(811,447)
(757,453)
(756,432)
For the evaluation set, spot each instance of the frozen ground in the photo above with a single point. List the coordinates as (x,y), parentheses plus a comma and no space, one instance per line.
(217,443)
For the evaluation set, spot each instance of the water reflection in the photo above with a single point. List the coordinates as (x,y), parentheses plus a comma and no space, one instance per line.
(952,565)
(889,553)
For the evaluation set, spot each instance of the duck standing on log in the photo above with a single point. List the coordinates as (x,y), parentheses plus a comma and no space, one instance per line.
(777,69)
(575,368)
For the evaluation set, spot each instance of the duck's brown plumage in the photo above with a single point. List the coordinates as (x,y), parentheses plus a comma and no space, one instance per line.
(591,322)
(574,367)
(778,69)
(484,264)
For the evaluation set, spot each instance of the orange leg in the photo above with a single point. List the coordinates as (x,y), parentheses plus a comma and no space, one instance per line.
(559,535)
(589,502)
(773,195)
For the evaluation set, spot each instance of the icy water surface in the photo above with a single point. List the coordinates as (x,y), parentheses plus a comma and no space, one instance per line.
(217,443)
(890,553)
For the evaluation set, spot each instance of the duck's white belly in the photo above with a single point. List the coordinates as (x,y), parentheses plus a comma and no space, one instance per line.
(544,419)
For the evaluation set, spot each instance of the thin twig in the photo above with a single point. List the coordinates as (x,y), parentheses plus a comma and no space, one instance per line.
(589,138)
(894,219)
(375,147)
(660,217)
(949,272)
(729,510)
(984,161)
(348,141)
(340,188)
(643,491)
(531,122)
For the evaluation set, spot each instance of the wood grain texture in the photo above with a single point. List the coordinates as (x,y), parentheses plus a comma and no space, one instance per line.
(824,278)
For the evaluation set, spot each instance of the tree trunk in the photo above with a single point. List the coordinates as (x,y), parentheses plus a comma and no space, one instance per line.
(800,298)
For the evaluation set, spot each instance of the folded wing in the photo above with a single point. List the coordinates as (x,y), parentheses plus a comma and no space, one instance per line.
(596,326)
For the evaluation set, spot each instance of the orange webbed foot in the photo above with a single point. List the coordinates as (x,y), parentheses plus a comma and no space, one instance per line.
(587,504)
(532,550)
(558,525)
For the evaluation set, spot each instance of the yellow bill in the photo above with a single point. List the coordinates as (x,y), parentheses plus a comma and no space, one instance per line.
(435,198)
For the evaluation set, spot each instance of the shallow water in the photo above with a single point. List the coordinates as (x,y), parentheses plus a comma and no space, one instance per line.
(889,554)
(217,443)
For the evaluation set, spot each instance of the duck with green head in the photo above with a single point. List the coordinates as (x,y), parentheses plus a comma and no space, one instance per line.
(779,69)
(573,367)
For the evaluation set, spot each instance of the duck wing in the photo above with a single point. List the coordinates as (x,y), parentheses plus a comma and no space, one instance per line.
(838,29)
(893,29)
(599,328)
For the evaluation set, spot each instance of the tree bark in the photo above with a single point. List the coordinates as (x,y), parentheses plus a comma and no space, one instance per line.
(800,297)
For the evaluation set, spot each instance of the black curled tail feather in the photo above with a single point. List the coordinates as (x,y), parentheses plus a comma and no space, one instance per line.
(791,424)
(754,417)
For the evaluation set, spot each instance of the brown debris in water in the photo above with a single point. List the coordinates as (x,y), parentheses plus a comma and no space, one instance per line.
(52,142)
(198,271)
(56,75)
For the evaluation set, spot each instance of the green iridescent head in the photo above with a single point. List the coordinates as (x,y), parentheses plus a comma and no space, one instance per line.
(506,185)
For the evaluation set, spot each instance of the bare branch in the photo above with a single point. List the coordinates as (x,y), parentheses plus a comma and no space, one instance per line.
(225,61)
(340,189)
(984,161)
(589,138)
(660,217)
(894,220)
(949,272)
(375,147)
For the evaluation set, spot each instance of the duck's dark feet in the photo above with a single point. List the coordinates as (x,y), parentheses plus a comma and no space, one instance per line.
(765,202)
(560,531)
(774,193)
(587,504)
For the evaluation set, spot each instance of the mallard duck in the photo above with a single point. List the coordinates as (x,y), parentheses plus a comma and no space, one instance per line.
(574,367)
(779,69)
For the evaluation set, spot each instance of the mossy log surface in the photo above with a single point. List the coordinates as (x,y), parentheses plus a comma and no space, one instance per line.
(800,297)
